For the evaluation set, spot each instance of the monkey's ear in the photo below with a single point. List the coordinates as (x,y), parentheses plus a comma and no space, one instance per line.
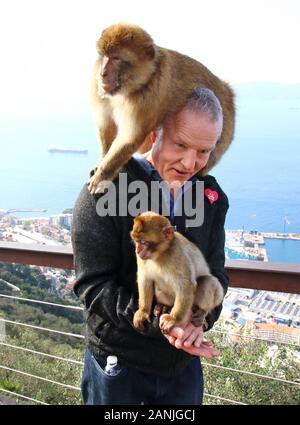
(150,51)
(168,232)
(138,224)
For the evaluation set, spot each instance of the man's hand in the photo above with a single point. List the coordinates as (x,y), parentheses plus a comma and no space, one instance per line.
(190,339)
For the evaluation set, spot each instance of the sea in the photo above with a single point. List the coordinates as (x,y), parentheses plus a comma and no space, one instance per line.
(260,172)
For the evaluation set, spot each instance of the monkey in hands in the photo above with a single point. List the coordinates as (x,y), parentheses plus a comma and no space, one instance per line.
(172,270)
(135,85)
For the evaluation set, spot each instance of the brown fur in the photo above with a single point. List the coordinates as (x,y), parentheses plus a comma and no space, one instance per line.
(173,270)
(128,36)
(147,83)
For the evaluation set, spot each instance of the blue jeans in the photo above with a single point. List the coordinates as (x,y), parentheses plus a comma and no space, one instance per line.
(134,387)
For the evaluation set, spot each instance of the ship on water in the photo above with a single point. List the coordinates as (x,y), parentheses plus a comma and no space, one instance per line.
(57,149)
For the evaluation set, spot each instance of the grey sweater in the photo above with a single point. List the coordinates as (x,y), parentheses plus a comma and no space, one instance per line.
(105,266)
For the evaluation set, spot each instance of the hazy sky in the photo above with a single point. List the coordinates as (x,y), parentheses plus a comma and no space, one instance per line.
(48,46)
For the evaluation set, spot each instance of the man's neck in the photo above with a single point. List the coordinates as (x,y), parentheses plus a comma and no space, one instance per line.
(148,157)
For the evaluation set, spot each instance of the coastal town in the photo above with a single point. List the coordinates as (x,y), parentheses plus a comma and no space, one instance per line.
(53,230)
(274,316)
(271,315)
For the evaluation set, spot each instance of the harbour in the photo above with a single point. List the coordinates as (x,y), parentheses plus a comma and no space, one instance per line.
(262,246)
(18,210)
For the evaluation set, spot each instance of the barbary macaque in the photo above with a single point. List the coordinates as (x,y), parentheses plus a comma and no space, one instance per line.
(172,270)
(135,85)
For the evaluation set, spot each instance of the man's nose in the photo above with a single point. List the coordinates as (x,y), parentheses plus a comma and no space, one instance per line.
(189,161)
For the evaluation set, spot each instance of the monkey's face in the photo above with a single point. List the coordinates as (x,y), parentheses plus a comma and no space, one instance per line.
(146,242)
(122,70)
(145,249)
(152,235)
(126,59)
(109,75)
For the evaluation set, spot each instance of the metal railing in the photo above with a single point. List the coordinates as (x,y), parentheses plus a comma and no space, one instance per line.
(243,274)
(279,277)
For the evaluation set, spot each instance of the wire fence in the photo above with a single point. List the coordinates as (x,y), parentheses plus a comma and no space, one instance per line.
(40,378)
(224,399)
(13,297)
(228,333)
(80,363)
(12,393)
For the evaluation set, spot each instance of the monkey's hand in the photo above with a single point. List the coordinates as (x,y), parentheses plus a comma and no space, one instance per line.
(93,183)
(166,323)
(160,309)
(139,318)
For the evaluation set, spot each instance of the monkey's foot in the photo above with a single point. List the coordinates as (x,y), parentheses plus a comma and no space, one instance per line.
(139,318)
(98,183)
(160,309)
(166,323)
(198,316)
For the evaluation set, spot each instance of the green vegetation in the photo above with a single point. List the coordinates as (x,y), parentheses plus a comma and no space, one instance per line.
(244,354)
(33,285)
(38,365)
(254,356)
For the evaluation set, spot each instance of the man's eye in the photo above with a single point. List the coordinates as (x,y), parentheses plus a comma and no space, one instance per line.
(180,145)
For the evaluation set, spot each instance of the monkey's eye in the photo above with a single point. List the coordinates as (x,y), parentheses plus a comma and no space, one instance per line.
(124,65)
(152,246)
(142,242)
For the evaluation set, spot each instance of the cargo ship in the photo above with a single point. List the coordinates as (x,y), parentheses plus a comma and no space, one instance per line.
(54,149)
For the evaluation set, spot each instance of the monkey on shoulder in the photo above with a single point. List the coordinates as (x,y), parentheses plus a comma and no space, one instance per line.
(135,85)
(173,271)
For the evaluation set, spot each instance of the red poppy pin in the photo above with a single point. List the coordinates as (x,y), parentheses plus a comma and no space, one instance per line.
(211,195)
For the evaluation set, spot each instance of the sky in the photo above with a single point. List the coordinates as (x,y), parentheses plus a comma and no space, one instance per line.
(48,47)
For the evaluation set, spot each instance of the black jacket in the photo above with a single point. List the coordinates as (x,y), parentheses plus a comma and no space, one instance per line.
(105,266)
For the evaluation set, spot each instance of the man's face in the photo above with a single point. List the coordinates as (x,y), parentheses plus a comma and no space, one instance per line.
(184,149)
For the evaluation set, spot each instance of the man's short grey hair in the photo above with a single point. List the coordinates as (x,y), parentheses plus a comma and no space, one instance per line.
(204,100)
(201,100)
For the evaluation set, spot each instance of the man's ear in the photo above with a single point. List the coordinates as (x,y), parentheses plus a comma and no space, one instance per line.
(152,136)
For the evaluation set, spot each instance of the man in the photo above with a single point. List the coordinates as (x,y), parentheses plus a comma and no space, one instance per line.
(155,369)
